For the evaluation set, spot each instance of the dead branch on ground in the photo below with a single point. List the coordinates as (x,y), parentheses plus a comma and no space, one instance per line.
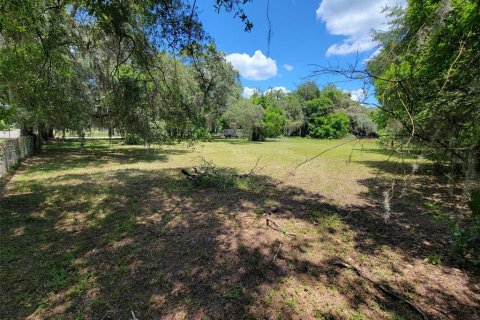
(382,288)
(272,224)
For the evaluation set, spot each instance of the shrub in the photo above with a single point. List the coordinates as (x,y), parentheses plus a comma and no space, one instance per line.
(133,139)
(466,238)
(333,125)
(274,122)
(202,134)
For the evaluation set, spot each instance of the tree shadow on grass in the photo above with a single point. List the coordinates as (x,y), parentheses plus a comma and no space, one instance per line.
(241,141)
(61,159)
(385,151)
(155,244)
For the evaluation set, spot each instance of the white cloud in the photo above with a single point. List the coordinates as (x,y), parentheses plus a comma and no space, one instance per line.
(248,92)
(281,89)
(358,95)
(354,20)
(256,67)
(288,67)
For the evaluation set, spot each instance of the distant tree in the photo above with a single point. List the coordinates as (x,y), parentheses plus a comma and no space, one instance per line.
(292,108)
(308,91)
(274,122)
(245,115)
(332,125)
(63,64)
(318,106)
(361,122)
(339,98)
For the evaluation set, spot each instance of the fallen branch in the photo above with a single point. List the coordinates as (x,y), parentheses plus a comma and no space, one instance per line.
(197,173)
(254,167)
(382,288)
(272,224)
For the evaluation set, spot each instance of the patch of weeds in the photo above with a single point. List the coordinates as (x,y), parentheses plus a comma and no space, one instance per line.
(121,269)
(260,211)
(465,237)
(9,255)
(380,274)
(58,277)
(291,303)
(250,184)
(435,210)
(334,289)
(269,297)
(111,278)
(116,294)
(60,272)
(225,260)
(433,258)
(374,305)
(158,276)
(237,293)
(330,222)
(322,315)
(82,286)
(128,226)
(97,303)
(356,317)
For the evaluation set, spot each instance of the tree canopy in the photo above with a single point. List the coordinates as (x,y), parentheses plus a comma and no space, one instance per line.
(426,77)
(67,64)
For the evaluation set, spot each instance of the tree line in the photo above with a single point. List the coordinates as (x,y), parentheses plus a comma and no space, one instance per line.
(146,68)
(308,111)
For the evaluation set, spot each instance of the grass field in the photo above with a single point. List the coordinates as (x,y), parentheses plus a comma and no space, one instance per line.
(118,232)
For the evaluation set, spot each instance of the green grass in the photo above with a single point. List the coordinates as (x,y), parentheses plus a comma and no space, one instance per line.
(119,228)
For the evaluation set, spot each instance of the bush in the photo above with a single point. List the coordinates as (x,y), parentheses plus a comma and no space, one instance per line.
(333,125)
(466,238)
(202,134)
(133,139)
(274,122)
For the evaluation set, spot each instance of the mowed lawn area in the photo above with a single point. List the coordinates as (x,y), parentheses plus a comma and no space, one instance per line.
(118,232)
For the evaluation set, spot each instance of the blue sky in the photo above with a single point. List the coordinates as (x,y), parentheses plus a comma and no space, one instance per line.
(304,32)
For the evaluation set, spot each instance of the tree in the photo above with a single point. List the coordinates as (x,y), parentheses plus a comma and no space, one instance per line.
(60,64)
(339,98)
(245,115)
(308,91)
(292,108)
(332,125)
(274,122)
(361,122)
(426,78)
(216,84)
(318,106)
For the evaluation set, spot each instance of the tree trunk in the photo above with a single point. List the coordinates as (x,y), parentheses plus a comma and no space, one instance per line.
(50,133)
(24,130)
